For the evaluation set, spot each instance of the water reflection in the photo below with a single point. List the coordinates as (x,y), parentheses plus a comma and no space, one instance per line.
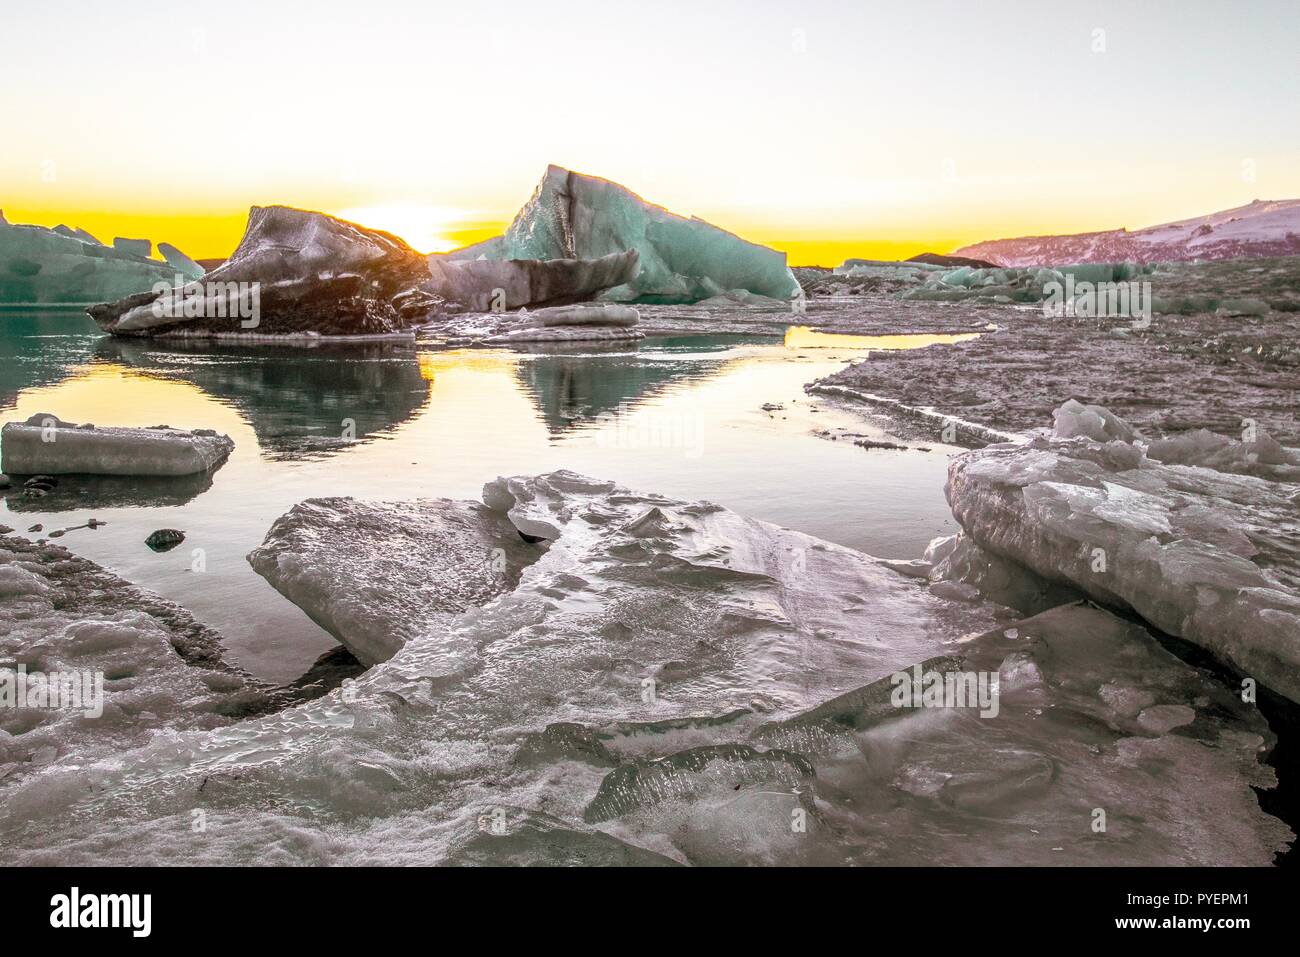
(39,348)
(443,422)
(570,385)
(75,492)
(301,402)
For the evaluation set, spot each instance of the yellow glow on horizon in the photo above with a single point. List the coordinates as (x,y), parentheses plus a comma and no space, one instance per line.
(429,229)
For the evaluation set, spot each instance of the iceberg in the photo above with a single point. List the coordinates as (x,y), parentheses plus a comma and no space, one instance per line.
(484,285)
(65,266)
(573,216)
(1202,554)
(44,444)
(294,273)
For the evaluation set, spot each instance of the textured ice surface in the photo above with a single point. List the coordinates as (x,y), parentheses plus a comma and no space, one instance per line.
(376,575)
(1209,556)
(71,267)
(485,284)
(161,671)
(44,444)
(645,694)
(572,216)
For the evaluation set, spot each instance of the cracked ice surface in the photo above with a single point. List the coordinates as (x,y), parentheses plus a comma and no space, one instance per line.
(672,682)
(161,671)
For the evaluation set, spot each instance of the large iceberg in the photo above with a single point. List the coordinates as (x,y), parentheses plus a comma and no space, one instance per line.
(68,266)
(572,216)
(1197,534)
(295,272)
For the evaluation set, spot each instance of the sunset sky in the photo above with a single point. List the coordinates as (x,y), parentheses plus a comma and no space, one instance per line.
(823,129)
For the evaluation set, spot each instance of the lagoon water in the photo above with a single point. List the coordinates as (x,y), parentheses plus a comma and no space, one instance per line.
(680,416)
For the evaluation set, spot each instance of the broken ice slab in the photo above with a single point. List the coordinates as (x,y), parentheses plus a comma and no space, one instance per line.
(1206,555)
(374,575)
(46,444)
(660,635)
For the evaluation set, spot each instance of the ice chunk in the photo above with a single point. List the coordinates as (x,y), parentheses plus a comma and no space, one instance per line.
(179,261)
(583,323)
(44,444)
(1205,555)
(1091,421)
(488,284)
(68,266)
(374,575)
(134,247)
(572,216)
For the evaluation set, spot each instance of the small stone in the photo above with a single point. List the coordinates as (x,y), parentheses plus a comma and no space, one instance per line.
(36,528)
(165,539)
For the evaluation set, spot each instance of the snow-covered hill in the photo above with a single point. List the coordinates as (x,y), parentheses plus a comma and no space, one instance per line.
(1262,228)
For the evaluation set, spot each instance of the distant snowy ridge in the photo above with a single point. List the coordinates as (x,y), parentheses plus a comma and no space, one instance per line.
(1261,229)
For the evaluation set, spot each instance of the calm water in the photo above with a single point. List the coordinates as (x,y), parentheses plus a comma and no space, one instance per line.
(679,416)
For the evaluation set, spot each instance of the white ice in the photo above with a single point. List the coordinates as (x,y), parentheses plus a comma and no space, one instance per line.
(44,444)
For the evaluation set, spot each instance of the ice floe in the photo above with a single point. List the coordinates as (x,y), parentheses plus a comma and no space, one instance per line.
(669,681)
(46,444)
(1202,554)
